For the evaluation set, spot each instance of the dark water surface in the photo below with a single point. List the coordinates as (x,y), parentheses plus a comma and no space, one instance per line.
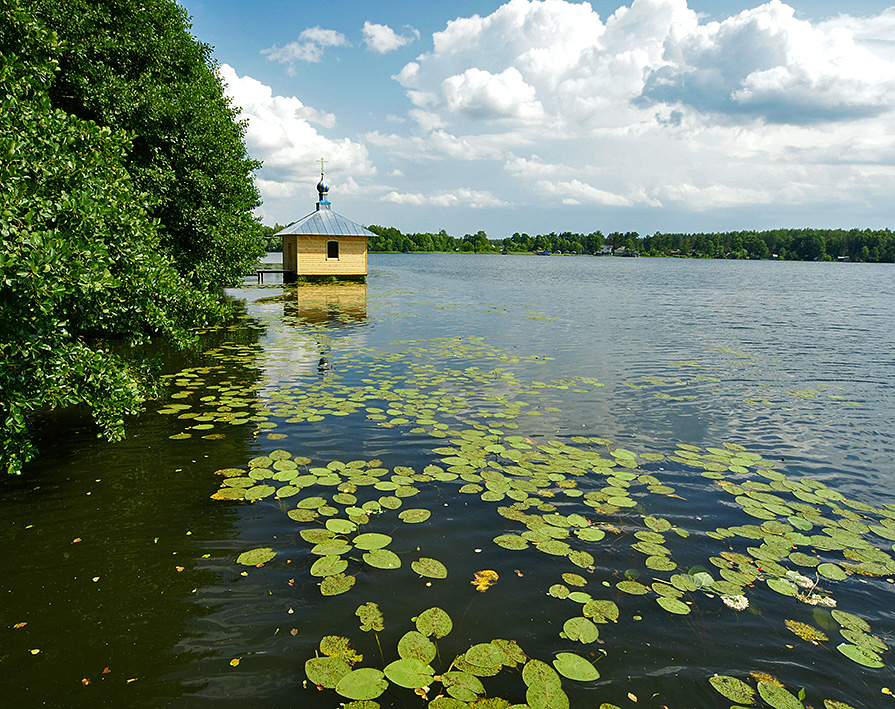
(520,375)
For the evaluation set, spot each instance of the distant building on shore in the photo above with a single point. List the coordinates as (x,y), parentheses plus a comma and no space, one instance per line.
(324,243)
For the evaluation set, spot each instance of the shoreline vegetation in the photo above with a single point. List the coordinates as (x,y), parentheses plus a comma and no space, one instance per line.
(783,244)
(874,246)
(126,206)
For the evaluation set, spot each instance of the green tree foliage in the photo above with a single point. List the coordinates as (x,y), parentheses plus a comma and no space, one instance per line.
(81,257)
(132,65)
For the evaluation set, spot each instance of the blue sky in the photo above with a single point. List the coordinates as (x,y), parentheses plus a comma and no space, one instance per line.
(548,115)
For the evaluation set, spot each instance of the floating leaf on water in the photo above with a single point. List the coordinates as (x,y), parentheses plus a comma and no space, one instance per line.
(632,587)
(672,605)
(574,579)
(336,584)
(463,686)
(590,534)
(557,590)
(581,629)
(382,559)
(483,580)
(434,622)
(326,671)
(660,563)
(778,697)
(255,557)
(806,632)
(732,688)
(328,566)
(575,667)
(370,617)
(415,645)
(409,673)
(849,620)
(554,547)
(511,541)
(371,540)
(601,611)
(832,571)
(486,655)
(581,558)
(537,673)
(363,683)
(783,587)
(414,516)
(430,568)
(340,526)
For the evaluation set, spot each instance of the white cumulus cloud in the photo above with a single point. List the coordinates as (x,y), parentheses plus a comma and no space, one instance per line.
(382,39)
(280,133)
(307,48)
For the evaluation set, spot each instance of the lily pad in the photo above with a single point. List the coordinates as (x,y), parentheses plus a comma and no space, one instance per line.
(364,683)
(430,568)
(861,655)
(575,667)
(414,516)
(370,617)
(463,686)
(732,688)
(336,584)
(778,697)
(414,644)
(672,605)
(434,622)
(326,671)
(409,673)
(382,559)
(511,541)
(328,566)
(632,587)
(581,629)
(371,540)
(256,556)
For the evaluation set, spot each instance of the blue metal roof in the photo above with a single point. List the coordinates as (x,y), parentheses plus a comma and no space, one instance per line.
(325,222)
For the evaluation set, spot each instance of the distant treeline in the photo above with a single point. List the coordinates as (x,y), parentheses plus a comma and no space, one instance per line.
(792,244)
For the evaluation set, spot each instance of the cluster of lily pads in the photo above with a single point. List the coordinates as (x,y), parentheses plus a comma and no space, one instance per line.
(798,538)
(457,686)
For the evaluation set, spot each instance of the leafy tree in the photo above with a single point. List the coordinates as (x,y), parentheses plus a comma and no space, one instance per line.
(80,259)
(132,65)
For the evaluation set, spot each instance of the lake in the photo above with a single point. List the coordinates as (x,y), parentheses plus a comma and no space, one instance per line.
(560,481)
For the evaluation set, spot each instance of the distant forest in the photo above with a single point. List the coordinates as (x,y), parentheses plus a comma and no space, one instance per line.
(788,244)
(792,244)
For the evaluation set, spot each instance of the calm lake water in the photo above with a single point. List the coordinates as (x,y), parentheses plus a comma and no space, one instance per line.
(654,438)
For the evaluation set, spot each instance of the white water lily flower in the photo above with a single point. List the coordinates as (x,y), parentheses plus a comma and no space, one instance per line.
(738,603)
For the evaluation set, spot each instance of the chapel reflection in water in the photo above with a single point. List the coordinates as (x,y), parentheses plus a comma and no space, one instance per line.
(330,305)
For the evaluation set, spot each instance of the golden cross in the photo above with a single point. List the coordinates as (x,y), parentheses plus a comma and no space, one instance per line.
(321,161)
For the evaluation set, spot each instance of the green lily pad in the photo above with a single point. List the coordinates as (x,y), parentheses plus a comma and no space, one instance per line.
(732,688)
(632,587)
(382,559)
(326,671)
(370,617)
(581,629)
(434,622)
(832,571)
(849,620)
(328,566)
(783,587)
(371,540)
(672,605)
(485,655)
(336,584)
(365,683)
(778,697)
(601,611)
(256,556)
(581,558)
(574,579)
(575,667)
(511,541)
(409,673)
(463,686)
(430,568)
(537,672)
(414,644)
(340,526)
(861,655)
(414,516)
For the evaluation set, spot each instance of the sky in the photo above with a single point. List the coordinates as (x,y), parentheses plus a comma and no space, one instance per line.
(543,116)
